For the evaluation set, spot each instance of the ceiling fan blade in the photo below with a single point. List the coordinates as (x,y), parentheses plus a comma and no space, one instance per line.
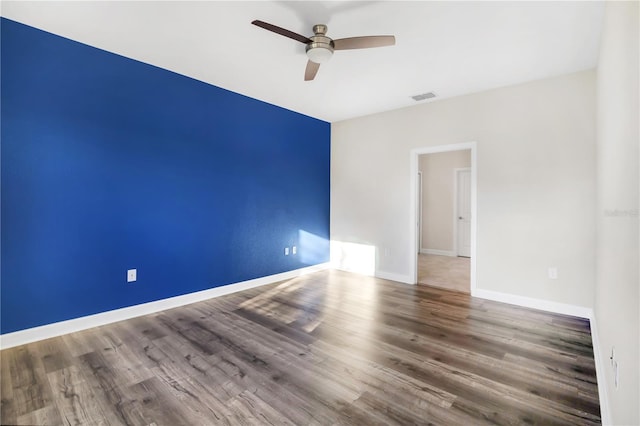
(281,31)
(311,71)
(364,42)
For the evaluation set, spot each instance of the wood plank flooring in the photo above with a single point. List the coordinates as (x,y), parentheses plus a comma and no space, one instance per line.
(323,349)
(447,272)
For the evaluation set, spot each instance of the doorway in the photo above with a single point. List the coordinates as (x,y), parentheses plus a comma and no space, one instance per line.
(443,219)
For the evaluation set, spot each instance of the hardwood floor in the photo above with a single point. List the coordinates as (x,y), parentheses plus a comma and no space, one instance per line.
(448,272)
(327,348)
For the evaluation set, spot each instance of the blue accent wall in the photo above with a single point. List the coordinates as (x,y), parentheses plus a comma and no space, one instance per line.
(110,164)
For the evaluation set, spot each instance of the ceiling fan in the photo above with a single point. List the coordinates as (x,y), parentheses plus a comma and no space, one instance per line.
(320,47)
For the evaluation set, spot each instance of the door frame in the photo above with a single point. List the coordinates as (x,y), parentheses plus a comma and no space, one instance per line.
(419,207)
(455,207)
(413,200)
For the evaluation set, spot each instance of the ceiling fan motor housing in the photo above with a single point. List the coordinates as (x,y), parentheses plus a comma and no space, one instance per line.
(320,48)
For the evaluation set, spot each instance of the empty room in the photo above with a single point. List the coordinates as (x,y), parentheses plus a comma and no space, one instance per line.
(319,213)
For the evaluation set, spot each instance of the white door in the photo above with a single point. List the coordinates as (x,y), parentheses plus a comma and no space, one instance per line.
(463,212)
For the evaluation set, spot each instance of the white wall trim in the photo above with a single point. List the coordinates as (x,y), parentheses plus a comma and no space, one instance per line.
(29,335)
(529,302)
(449,253)
(413,199)
(394,277)
(420,207)
(605,410)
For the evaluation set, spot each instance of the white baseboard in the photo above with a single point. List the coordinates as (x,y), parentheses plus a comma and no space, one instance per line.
(528,302)
(391,276)
(449,253)
(605,410)
(394,277)
(29,335)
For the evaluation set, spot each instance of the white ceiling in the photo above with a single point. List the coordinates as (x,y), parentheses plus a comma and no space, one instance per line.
(450,48)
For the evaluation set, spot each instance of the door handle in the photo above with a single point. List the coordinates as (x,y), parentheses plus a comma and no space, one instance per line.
(460,217)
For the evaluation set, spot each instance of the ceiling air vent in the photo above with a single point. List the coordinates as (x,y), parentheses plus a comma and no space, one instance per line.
(424,96)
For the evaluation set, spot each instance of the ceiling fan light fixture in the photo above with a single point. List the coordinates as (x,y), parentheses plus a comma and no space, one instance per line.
(319,54)
(319,47)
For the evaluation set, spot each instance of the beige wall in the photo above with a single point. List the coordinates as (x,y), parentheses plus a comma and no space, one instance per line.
(536,184)
(438,197)
(616,307)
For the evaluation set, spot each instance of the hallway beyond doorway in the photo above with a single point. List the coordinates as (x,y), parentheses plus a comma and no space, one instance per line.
(452,273)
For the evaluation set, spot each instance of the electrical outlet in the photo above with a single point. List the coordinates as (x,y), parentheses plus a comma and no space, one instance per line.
(286,251)
(132,275)
(614,365)
(613,354)
(553,273)
(294,250)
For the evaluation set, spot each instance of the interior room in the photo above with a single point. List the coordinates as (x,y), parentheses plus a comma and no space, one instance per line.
(348,212)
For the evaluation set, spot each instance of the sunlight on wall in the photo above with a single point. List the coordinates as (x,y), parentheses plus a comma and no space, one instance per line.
(313,249)
(353,257)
